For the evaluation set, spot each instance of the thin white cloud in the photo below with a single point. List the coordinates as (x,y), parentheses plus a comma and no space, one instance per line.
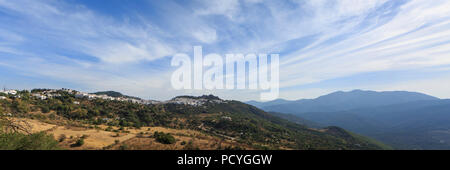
(205,35)
(401,43)
(228,8)
(350,37)
(82,30)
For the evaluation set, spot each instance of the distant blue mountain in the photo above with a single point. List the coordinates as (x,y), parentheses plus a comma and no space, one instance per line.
(269,103)
(340,100)
(298,120)
(412,125)
(405,120)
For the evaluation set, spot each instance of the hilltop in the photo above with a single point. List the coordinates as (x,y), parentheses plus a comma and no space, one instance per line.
(113,94)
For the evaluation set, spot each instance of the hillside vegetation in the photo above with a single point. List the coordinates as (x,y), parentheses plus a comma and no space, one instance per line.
(230,121)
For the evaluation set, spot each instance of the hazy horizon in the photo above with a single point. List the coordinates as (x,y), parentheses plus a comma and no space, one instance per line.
(146,98)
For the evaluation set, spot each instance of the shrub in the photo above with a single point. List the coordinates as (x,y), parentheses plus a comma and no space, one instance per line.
(19,141)
(164,138)
(190,146)
(62,137)
(123,147)
(233,148)
(137,125)
(80,142)
(52,116)
(45,109)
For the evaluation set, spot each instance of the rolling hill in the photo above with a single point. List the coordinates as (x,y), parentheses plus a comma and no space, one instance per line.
(405,120)
(413,125)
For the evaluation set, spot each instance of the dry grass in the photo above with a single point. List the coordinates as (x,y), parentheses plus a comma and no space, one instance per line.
(96,139)
(134,139)
(190,143)
(33,126)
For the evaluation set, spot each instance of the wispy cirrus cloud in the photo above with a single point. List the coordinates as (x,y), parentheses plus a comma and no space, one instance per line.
(76,27)
(320,42)
(405,41)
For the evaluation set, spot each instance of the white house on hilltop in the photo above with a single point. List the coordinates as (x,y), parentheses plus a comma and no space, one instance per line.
(12,92)
(39,96)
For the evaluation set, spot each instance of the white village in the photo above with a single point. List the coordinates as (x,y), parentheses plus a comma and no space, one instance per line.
(45,94)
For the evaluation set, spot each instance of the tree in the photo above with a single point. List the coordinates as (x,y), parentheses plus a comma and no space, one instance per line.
(164,138)
(45,109)
(123,147)
(62,137)
(2,110)
(80,113)
(20,141)
(80,142)
(20,106)
(15,135)
(8,125)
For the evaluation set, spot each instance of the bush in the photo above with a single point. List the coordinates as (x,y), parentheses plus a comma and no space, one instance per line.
(80,142)
(233,148)
(45,109)
(19,141)
(164,138)
(140,135)
(52,116)
(190,146)
(62,137)
(20,106)
(123,147)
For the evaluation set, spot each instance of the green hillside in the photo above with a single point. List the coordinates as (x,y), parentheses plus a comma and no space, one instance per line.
(228,119)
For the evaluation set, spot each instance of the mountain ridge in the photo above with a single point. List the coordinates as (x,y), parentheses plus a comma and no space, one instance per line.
(411,121)
(340,100)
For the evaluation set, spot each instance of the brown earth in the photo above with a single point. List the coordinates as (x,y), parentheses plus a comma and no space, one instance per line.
(129,138)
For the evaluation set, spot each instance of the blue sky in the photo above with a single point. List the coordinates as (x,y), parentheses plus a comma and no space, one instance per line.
(324,45)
